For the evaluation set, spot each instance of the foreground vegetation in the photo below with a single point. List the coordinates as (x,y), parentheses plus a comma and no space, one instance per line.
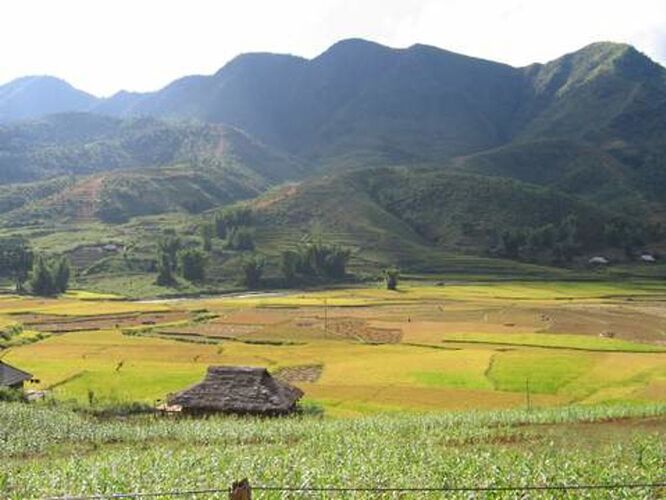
(52,451)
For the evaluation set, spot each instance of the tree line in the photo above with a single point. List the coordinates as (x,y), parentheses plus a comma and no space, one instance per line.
(45,275)
(233,227)
(564,241)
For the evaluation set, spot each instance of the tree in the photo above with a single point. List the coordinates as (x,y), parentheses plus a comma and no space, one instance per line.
(230,218)
(16,261)
(324,260)
(61,273)
(42,281)
(566,244)
(391,277)
(290,264)
(164,272)
(253,268)
(207,231)
(240,238)
(220,226)
(192,263)
(511,241)
(170,245)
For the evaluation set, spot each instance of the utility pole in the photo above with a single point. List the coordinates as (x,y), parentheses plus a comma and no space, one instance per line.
(326,316)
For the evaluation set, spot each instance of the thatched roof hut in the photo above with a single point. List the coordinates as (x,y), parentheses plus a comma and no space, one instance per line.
(12,377)
(239,390)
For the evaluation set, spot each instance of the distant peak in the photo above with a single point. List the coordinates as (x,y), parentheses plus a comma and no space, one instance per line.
(608,45)
(30,79)
(258,58)
(355,42)
(354,45)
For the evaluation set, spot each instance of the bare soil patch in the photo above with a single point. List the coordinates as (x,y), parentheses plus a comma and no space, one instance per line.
(302,373)
(65,324)
(353,328)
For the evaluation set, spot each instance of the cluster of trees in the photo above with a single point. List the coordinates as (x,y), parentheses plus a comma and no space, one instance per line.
(50,276)
(563,241)
(173,257)
(630,236)
(560,240)
(230,224)
(16,261)
(234,225)
(46,275)
(315,259)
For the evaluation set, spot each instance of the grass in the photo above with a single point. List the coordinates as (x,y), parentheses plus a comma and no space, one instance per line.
(538,372)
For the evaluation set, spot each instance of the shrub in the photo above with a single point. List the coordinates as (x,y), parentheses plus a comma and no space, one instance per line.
(12,395)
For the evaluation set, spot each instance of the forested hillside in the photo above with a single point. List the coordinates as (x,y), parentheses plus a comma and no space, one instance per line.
(409,157)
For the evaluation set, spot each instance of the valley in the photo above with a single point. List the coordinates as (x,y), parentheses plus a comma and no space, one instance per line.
(439,273)
(362,350)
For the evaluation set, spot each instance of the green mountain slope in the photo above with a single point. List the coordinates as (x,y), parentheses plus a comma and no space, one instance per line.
(572,167)
(114,169)
(419,218)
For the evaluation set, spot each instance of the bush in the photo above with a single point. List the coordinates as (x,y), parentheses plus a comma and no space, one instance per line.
(9,395)
(124,409)
(11,331)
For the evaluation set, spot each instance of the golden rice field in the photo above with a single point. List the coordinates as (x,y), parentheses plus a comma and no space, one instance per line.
(363,350)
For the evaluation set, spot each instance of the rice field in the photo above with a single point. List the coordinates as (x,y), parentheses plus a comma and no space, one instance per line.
(423,348)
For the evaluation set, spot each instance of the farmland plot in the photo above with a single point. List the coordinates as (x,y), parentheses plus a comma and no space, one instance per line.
(424,348)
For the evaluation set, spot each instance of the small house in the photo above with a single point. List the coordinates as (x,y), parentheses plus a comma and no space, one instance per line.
(12,377)
(238,390)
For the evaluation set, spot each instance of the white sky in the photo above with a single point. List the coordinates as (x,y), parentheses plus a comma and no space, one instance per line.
(102,46)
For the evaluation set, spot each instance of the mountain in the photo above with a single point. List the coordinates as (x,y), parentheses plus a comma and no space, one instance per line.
(363,104)
(116,168)
(357,99)
(360,103)
(418,156)
(35,96)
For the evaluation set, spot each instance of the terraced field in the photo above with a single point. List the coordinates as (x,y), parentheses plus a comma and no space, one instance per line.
(358,351)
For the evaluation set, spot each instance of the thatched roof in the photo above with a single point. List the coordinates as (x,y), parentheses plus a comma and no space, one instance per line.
(238,389)
(10,376)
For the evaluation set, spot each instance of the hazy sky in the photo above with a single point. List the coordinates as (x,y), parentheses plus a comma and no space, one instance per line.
(102,46)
